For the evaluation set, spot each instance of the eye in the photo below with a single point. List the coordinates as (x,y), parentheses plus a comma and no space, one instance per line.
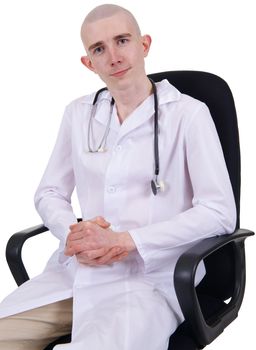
(98,50)
(122,41)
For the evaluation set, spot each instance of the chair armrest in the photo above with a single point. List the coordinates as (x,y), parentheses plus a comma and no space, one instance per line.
(14,250)
(205,331)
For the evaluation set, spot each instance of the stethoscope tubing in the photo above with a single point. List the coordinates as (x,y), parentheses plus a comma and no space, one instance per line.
(154,183)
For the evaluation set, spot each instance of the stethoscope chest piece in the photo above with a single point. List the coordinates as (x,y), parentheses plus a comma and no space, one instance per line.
(157,186)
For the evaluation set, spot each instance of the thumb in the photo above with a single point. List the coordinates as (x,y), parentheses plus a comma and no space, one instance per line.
(99,220)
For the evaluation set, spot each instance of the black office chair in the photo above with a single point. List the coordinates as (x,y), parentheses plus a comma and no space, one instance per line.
(215,302)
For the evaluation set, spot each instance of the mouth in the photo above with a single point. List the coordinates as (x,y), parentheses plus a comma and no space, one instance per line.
(120,73)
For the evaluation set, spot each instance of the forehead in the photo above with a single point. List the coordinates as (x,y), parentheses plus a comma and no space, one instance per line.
(108,28)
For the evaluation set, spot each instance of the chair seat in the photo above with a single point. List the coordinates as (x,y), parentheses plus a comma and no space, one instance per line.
(62,340)
(180,341)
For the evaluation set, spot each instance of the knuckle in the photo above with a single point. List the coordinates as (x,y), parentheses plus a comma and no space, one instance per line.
(90,255)
(82,224)
(88,231)
(88,224)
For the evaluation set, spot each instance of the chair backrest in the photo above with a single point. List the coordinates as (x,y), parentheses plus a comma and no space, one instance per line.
(215,92)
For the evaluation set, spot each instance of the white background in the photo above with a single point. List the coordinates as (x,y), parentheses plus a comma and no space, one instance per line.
(40,72)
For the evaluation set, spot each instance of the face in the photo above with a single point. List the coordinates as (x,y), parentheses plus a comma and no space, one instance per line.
(116,50)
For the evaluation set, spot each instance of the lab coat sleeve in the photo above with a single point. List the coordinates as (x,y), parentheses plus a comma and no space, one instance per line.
(213,210)
(53,196)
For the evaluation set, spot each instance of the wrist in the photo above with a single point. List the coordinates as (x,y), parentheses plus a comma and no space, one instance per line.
(125,241)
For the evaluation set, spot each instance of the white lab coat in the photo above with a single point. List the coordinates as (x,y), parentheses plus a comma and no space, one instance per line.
(197,201)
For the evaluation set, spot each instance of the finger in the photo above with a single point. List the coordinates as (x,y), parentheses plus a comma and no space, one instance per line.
(99,220)
(86,246)
(75,248)
(79,232)
(99,262)
(75,236)
(109,255)
(80,226)
(90,258)
(74,226)
(68,251)
(82,259)
(94,254)
(118,257)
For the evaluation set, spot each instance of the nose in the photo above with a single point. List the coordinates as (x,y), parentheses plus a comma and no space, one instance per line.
(114,56)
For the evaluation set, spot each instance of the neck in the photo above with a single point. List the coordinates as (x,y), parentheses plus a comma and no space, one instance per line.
(128,99)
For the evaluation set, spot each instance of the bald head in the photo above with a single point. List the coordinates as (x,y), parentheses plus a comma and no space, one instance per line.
(104,11)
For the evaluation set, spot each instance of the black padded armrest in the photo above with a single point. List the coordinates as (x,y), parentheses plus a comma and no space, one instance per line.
(184,281)
(14,249)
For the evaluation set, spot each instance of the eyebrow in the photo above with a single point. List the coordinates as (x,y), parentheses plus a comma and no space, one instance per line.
(116,37)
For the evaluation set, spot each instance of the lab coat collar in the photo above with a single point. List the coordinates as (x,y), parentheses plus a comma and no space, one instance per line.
(103,107)
(166,94)
(165,91)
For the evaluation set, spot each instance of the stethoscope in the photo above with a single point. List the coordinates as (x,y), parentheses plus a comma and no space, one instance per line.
(156,185)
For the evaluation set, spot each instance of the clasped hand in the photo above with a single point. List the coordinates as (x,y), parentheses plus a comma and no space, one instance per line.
(94,243)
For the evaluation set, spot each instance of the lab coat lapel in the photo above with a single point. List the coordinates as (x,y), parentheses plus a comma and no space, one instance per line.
(102,108)
(139,116)
(103,112)
(165,92)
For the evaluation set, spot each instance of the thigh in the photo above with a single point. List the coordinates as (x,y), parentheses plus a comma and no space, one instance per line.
(140,319)
(145,321)
(34,329)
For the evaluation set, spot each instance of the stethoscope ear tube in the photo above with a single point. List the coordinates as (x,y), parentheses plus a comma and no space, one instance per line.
(97,95)
(155,186)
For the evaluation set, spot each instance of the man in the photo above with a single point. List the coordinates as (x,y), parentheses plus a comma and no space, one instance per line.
(111,278)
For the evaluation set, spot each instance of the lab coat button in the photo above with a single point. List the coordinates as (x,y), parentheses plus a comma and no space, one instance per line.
(118,147)
(111,189)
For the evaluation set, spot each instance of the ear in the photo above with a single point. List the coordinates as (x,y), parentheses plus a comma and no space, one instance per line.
(87,63)
(146,42)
